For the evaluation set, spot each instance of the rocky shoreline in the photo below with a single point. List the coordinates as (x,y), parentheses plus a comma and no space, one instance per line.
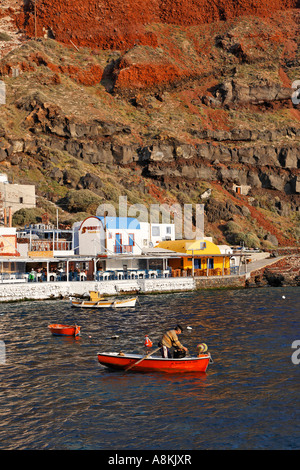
(285,272)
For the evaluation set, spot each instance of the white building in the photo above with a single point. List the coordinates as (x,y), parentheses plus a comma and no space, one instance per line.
(241,189)
(15,196)
(118,235)
(225,249)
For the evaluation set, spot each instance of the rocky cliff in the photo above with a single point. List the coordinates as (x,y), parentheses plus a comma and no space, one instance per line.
(115,24)
(163,102)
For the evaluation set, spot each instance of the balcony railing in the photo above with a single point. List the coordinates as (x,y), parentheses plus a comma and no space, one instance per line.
(123,248)
(45,245)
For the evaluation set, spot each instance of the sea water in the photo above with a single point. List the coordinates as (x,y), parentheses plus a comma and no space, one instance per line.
(55,395)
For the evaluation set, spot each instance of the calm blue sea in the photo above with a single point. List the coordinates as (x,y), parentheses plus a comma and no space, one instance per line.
(54,395)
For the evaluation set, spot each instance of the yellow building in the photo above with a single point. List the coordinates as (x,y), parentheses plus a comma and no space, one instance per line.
(205,257)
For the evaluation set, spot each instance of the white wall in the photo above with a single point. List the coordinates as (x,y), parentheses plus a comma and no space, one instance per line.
(161,232)
(90,236)
(18,196)
(48,290)
(126,235)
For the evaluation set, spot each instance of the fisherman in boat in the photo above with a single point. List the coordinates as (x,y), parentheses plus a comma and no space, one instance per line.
(169,340)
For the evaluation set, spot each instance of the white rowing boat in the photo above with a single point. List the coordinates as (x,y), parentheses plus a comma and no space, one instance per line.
(96,301)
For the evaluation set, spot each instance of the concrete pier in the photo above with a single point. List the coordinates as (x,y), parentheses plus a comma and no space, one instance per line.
(56,290)
(52,290)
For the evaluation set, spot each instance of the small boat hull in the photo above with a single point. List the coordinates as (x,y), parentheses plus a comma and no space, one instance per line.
(154,364)
(64,330)
(104,303)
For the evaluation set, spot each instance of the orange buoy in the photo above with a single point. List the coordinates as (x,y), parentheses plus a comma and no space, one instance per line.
(148,342)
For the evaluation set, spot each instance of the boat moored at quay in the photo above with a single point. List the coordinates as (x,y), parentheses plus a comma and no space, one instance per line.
(97,301)
(124,264)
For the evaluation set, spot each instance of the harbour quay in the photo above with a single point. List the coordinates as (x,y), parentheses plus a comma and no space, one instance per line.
(117,256)
(12,290)
(56,290)
(64,290)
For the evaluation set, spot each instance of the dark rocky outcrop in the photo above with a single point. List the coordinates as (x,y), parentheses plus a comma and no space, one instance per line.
(285,272)
(265,159)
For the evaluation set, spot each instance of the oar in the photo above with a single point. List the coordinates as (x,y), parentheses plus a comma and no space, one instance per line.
(75,324)
(140,360)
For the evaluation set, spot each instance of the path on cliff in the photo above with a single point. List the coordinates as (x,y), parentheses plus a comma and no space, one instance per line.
(255,214)
(261,264)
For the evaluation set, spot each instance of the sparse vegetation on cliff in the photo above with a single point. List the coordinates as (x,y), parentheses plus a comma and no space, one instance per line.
(159,112)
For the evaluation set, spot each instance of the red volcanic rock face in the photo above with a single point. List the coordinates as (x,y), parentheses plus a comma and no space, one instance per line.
(119,24)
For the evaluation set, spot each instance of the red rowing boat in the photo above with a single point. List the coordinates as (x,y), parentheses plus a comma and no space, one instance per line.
(64,330)
(154,364)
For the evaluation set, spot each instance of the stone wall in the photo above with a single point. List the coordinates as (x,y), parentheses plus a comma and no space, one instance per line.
(53,290)
(220,282)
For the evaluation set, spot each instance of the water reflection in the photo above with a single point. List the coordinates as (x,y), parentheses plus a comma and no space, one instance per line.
(192,380)
(55,395)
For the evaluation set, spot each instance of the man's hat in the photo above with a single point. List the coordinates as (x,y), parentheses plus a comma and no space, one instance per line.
(179,327)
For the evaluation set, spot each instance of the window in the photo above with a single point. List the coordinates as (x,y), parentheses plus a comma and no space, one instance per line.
(210,263)
(118,245)
(168,230)
(131,239)
(155,231)
(202,245)
(197,263)
(20,200)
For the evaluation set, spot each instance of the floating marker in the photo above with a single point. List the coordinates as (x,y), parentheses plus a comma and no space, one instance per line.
(189,328)
(283,296)
(201,348)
